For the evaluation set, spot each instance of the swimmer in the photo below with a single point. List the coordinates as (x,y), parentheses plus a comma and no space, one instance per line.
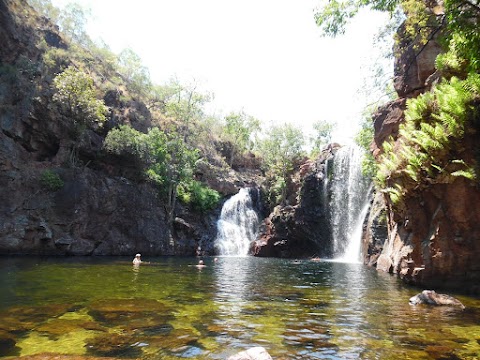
(201,264)
(137,261)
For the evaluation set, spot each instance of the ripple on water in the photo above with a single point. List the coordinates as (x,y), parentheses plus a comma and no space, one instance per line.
(301,310)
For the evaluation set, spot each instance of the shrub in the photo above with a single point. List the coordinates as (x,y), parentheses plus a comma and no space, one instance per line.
(51,180)
(197,195)
(75,93)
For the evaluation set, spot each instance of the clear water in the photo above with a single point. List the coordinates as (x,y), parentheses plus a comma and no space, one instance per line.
(170,309)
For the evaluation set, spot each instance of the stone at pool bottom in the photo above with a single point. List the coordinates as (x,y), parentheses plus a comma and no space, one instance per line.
(255,353)
(48,356)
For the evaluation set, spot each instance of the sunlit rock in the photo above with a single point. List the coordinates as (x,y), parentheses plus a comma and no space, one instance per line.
(255,353)
(430,297)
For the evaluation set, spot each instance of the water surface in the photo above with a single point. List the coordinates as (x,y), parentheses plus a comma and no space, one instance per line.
(170,309)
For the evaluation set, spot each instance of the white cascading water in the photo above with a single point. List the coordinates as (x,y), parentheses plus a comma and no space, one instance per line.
(237,227)
(349,203)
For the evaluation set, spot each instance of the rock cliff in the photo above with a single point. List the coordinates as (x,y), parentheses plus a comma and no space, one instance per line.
(301,229)
(103,207)
(433,239)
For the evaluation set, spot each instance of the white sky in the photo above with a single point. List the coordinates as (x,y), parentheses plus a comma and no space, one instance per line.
(263,56)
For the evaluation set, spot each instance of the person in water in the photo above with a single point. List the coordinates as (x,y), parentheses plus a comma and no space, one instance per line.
(201,264)
(137,261)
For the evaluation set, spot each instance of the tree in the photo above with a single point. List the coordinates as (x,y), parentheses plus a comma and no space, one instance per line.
(334,15)
(239,130)
(282,146)
(166,159)
(72,21)
(321,136)
(135,73)
(185,103)
(75,94)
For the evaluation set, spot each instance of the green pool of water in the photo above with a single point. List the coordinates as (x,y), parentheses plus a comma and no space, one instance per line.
(170,309)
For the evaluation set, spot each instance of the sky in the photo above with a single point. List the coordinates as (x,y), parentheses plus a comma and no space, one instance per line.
(265,57)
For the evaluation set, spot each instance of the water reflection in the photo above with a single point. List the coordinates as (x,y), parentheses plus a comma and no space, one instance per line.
(296,309)
(232,282)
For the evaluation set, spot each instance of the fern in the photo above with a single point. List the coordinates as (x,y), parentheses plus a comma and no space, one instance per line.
(469,174)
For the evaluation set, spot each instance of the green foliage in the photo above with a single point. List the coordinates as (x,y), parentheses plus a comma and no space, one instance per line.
(322,134)
(462,37)
(280,149)
(364,139)
(185,103)
(75,94)
(134,72)
(166,160)
(51,180)
(56,59)
(333,16)
(125,140)
(427,149)
(240,130)
(197,195)
(73,21)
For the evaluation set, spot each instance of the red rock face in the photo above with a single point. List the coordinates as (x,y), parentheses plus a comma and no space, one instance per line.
(414,64)
(435,239)
(435,242)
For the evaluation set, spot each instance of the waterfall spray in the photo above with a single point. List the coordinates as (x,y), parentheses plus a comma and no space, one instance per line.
(349,203)
(237,227)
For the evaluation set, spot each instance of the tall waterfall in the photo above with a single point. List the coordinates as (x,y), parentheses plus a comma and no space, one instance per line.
(349,203)
(237,227)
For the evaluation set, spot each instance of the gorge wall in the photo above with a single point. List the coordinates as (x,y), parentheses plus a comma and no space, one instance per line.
(102,207)
(433,239)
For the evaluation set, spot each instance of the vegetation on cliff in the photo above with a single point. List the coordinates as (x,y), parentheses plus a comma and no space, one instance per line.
(161,134)
(430,145)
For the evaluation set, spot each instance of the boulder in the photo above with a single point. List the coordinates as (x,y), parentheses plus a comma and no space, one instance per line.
(430,297)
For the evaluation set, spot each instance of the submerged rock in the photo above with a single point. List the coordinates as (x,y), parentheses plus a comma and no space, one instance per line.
(255,353)
(7,342)
(114,345)
(430,297)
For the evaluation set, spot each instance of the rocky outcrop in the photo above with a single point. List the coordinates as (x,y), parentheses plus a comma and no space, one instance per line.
(414,62)
(303,229)
(433,239)
(90,215)
(100,206)
(375,230)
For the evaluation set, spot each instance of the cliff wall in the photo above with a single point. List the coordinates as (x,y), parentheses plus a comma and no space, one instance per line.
(433,238)
(102,207)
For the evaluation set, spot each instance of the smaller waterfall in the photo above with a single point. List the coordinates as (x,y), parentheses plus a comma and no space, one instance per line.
(237,227)
(349,203)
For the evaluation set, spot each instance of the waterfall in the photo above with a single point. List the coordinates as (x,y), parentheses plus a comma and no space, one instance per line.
(237,227)
(349,203)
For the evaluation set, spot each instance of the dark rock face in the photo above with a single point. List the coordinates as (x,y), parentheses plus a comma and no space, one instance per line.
(101,209)
(90,215)
(375,230)
(301,230)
